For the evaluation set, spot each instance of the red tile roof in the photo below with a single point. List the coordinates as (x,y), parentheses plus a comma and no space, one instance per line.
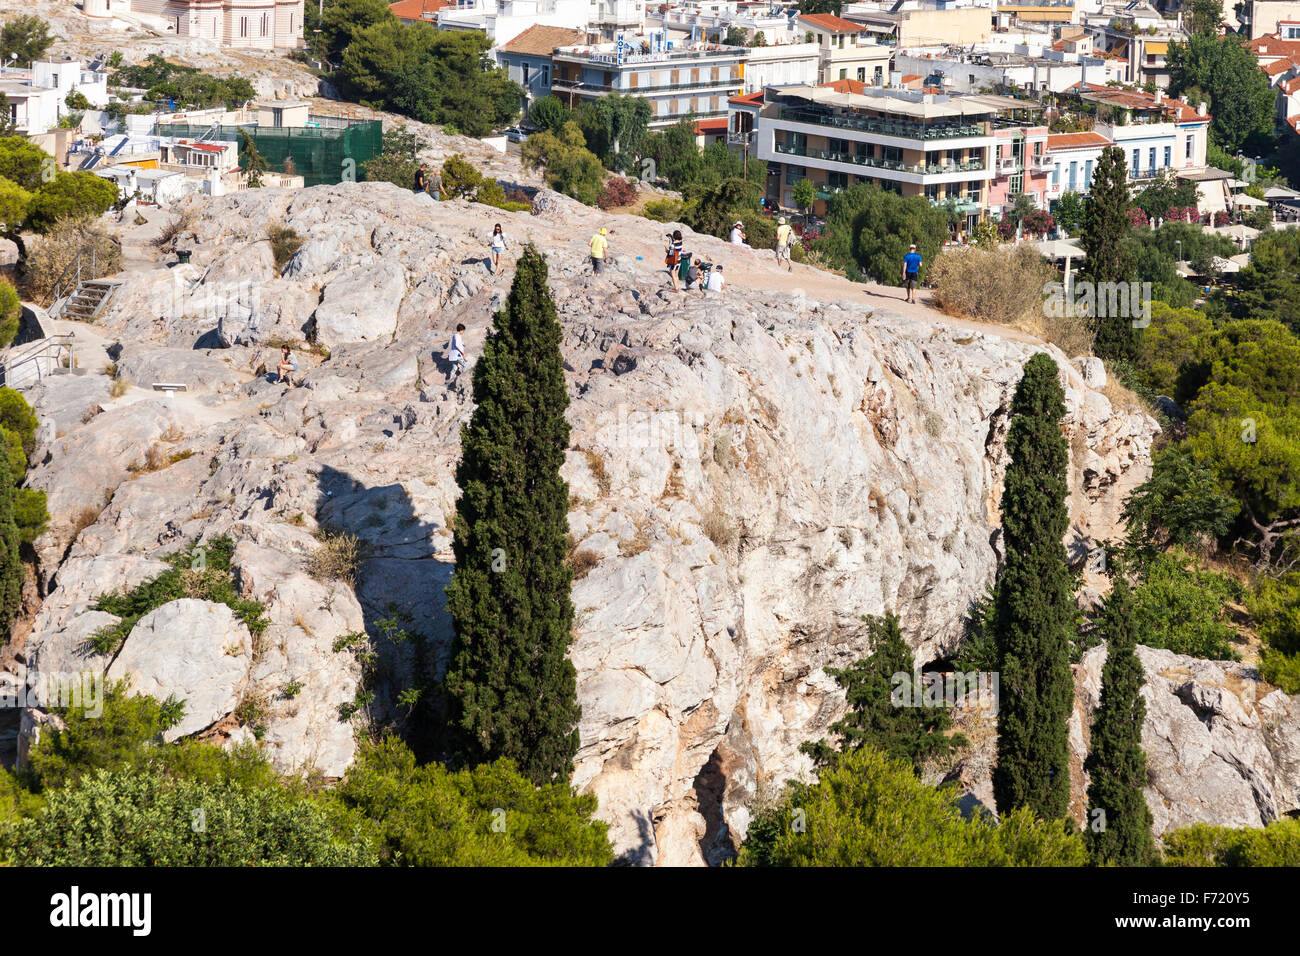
(715,125)
(846,86)
(416,9)
(1272,45)
(1280,65)
(1137,99)
(538,40)
(831,23)
(911,77)
(1290,86)
(748,99)
(1075,140)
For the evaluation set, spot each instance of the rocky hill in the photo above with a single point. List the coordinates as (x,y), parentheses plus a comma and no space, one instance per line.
(751,474)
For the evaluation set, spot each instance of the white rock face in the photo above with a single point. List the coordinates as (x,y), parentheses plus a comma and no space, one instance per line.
(754,472)
(1222,747)
(196,651)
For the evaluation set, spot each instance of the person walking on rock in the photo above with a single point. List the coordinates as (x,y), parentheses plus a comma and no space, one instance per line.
(784,238)
(498,247)
(598,246)
(456,354)
(421,179)
(911,271)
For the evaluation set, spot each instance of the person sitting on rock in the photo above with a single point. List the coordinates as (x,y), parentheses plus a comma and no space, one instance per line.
(288,365)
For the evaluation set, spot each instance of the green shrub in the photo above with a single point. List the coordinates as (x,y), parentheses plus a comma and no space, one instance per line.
(117,738)
(201,572)
(11,309)
(145,817)
(868,810)
(1201,844)
(460,178)
(664,210)
(1180,607)
(489,816)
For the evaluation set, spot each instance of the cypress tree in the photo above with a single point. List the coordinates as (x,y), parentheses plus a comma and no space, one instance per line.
(511,686)
(1117,767)
(1034,616)
(904,728)
(11,567)
(1106,225)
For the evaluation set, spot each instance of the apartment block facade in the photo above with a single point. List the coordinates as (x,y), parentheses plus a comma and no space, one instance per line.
(694,79)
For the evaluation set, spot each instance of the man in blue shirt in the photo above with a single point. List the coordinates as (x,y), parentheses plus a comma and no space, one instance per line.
(911,271)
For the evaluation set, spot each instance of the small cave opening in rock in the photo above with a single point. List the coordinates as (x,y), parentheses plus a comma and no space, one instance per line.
(9,724)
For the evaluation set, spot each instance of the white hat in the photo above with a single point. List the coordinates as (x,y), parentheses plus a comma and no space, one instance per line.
(781,220)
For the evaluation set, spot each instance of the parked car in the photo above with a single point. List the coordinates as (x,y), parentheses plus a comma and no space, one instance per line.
(516,135)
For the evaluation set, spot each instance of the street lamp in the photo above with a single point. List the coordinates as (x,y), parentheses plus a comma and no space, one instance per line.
(1180,249)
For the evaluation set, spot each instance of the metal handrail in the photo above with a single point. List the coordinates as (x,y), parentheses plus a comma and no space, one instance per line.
(57,343)
(62,289)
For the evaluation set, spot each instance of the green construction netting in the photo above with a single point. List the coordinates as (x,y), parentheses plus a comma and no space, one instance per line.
(320,154)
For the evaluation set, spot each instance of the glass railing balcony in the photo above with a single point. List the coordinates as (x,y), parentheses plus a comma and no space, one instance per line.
(900,128)
(920,169)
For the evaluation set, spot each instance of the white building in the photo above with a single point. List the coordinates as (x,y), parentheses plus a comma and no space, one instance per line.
(503,20)
(250,24)
(785,64)
(69,75)
(32,109)
(1053,72)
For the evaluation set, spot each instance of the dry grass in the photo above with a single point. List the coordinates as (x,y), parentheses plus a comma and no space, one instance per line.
(155,459)
(119,387)
(638,543)
(1005,287)
(284,242)
(597,466)
(723,454)
(719,529)
(83,519)
(172,434)
(580,562)
(49,255)
(1124,399)
(179,222)
(338,558)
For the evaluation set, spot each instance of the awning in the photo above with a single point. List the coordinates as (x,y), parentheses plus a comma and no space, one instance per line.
(1241,199)
(1157,47)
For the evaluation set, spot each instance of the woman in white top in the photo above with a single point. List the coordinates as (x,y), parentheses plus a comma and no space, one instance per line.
(738,234)
(498,247)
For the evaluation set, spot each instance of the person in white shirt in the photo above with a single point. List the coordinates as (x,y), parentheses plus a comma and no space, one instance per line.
(498,247)
(738,234)
(715,282)
(456,354)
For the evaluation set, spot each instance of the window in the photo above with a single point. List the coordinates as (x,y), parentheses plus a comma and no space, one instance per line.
(1169,152)
(1087,174)
(546,76)
(264,24)
(844,74)
(1074,176)
(1056,175)
(243,26)
(792,175)
(1137,161)
(1016,185)
(1188,153)
(1151,159)
(932,192)
(862,74)
(891,154)
(525,69)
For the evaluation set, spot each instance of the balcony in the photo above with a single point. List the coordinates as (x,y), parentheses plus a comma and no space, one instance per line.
(919,169)
(1041,163)
(1008,164)
(578,86)
(901,128)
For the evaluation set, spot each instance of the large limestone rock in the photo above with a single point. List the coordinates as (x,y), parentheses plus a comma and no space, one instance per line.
(196,651)
(1222,746)
(749,475)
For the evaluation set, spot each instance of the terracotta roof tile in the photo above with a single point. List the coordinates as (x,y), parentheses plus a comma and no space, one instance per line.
(539,40)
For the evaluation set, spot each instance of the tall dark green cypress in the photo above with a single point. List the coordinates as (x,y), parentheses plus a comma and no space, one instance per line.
(1035,612)
(1106,225)
(510,683)
(1117,767)
(904,728)
(11,567)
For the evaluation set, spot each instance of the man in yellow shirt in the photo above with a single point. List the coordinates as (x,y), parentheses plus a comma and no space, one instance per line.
(598,245)
(784,237)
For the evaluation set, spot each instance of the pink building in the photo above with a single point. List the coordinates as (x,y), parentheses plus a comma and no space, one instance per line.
(1020,165)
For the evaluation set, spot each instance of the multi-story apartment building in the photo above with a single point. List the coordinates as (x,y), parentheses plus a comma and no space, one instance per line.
(1020,165)
(252,24)
(974,72)
(847,51)
(1073,157)
(915,24)
(1156,132)
(693,79)
(940,146)
(1262,17)
(782,64)
(1137,34)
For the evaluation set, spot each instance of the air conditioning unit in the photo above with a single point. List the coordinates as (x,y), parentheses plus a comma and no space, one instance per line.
(1007,164)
